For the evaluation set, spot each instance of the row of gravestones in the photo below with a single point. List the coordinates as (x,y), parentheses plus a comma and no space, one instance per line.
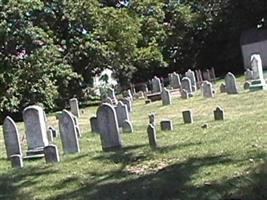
(39,135)
(166,125)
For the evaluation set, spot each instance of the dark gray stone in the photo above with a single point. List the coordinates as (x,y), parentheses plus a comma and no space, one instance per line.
(94,125)
(122,113)
(247,85)
(152,136)
(184,94)
(16,161)
(230,84)
(222,88)
(108,128)
(188,117)
(51,154)
(74,107)
(166,125)
(127,127)
(218,114)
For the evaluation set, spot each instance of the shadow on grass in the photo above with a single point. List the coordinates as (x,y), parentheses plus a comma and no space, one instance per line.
(173,182)
(12,182)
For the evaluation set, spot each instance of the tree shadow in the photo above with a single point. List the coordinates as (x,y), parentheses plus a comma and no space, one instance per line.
(12,182)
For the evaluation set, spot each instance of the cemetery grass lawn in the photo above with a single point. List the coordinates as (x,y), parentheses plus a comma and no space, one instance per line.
(225,161)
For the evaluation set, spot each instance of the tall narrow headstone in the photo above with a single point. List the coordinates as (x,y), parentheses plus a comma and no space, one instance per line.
(11,137)
(74,107)
(186,85)
(166,97)
(35,126)
(68,133)
(152,119)
(128,103)
(156,85)
(208,90)
(152,136)
(94,125)
(108,128)
(51,154)
(111,95)
(191,75)
(230,84)
(122,113)
(129,95)
(212,74)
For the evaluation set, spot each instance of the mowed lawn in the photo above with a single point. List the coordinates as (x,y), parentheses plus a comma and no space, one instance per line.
(228,160)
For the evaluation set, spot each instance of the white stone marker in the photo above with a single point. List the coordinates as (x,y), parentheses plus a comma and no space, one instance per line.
(230,84)
(156,85)
(186,85)
(191,75)
(208,90)
(34,121)
(166,97)
(68,133)
(175,81)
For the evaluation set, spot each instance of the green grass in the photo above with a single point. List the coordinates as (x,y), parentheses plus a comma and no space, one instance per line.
(225,161)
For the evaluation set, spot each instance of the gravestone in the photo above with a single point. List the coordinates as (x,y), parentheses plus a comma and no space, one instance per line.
(74,107)
(248,74)
(247,85)
(188,117)
(222,88)
(166,97)
(208,90)
(184,94)
(11,137)
(186,85)
(112,96)
(16,161)
(128,103)
(50,135)
(122,113)
(53,130)
(152,119)
(212,74)
(152,136)
(230,84)
(34,121)
(191,75)
(128,94)
(206,75)
(94,125)
(108,128)
(156,85)
(76,124)
(258,82)
(127,127)
(218,113)
(175,81)
(68,133)
(51,154)
(166,125)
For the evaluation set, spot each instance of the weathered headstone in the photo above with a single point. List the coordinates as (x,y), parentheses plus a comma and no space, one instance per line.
(128,103)
(156,85)
(206,75)
(152,119)
(11,137)
(74,107)
(152,136)
(186,85)
(111,95)
(166,125)
(175,81)
(94,125)
(208,90)
(50,135)
(191,75)
(218,114)
(230,84)
(68,133)
(258,82)
(53,130)
(51,154)
(212,74)
(16,161)
(188,117)
(127,127)
(122,113)
(35,126)
(128,94)
(222,88)
(166,97)
(108,128)
(184,94)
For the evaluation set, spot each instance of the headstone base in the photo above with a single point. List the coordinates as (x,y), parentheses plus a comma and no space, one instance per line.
(257,85)
(115,148)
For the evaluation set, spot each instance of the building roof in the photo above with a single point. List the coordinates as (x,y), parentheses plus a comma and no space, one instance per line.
(253,36)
